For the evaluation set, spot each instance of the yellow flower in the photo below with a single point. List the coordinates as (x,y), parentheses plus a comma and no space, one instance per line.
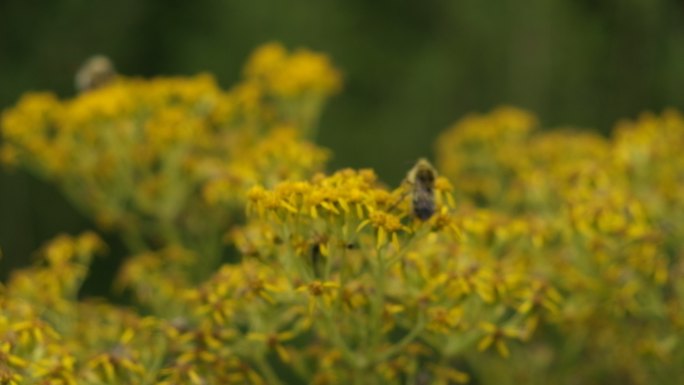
(275,341)
(265,60)
(387,227)
(443,320)
(447,374)
(327,292)
(495,335)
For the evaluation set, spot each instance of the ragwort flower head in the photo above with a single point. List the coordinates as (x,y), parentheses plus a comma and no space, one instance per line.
(168,160)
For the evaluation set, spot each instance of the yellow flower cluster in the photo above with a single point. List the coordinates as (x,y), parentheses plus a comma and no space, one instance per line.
(299,83)
(38,311)
(527,256)
(607,224)
(342,283)
(168,160)
(292,311)
(293,75)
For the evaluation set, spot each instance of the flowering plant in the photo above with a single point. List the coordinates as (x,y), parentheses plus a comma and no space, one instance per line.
(526,255)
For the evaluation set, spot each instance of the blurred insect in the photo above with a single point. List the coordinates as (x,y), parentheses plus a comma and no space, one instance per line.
(96,72)
(420,184)
(421,178)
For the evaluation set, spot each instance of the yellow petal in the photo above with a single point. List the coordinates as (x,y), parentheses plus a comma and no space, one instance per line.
(127,336)
(502,349)
(283,354)
(395,241)
(362,225)
(325,251)
(485,343)
(382,237)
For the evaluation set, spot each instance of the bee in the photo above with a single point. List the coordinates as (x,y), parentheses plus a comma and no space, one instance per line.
(96,72)
(421,179)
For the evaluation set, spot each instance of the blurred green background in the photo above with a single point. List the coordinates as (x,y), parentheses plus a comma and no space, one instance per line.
(411,69)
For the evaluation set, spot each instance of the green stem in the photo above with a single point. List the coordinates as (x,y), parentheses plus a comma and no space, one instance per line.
(266,370)
(408,338)
(133,241)
(337,338)
(400,254)
(379,271)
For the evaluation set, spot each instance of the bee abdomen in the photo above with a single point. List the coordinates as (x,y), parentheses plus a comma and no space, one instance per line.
(423,209)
